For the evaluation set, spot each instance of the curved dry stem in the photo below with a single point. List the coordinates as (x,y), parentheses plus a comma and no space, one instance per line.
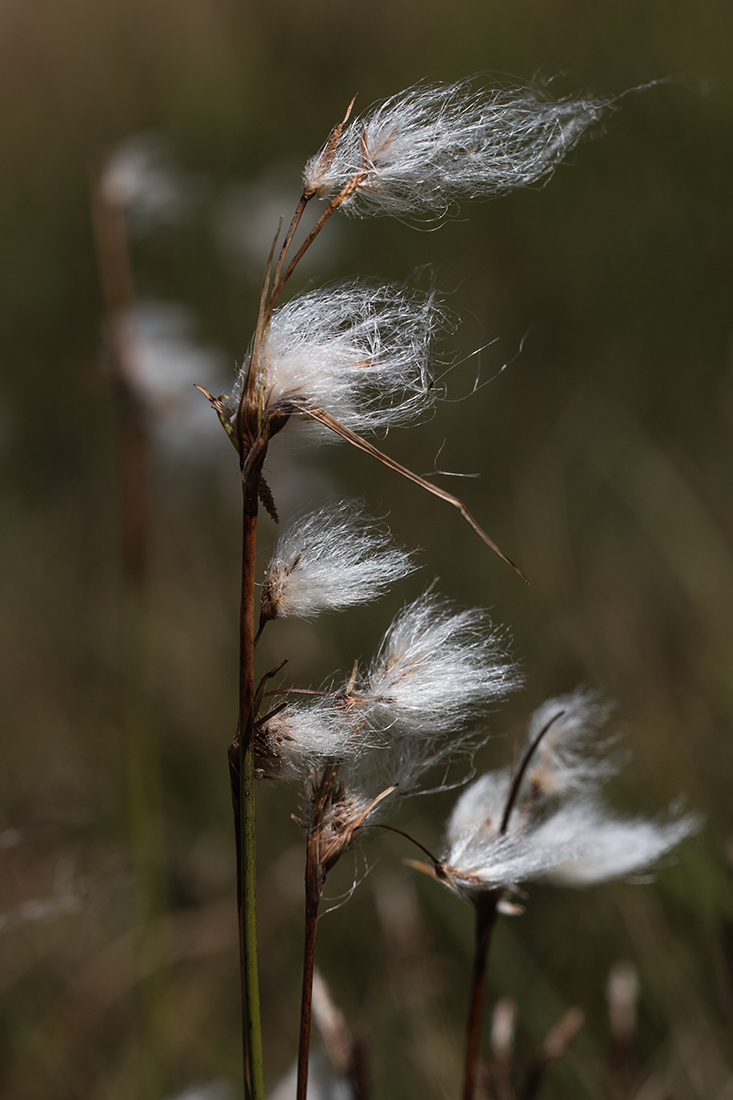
(336,426)
(521,771)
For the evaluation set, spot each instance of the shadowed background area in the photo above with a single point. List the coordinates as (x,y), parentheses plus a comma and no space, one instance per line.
(605,468)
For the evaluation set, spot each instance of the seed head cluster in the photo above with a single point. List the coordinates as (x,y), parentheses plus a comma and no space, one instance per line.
(437,672)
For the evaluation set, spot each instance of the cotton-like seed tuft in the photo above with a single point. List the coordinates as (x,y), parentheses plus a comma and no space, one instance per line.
(290,744)
(331,559)
(605,847)
(359,352)
(431,145)
(437,670)
(554,826)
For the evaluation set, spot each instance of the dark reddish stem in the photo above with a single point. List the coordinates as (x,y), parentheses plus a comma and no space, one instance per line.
(313,884)
(330,210)
(522,771)
(486,913)
(251,1028)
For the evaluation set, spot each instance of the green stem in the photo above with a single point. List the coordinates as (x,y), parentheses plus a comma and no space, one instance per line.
(252,1030)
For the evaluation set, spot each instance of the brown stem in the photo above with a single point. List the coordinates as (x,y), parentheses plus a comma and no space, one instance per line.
(314,877)
(251,1028)
(401,832)
(248,400)
(330,210)
(336,426)
(486,913)
(234,774)
(289,235)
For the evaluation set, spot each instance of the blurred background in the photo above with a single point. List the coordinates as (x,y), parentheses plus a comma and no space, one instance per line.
(604,453)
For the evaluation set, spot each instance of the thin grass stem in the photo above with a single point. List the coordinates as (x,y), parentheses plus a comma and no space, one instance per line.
(486,913)
(251,1025)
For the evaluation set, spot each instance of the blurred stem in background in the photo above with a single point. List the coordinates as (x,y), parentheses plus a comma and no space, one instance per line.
(142,758)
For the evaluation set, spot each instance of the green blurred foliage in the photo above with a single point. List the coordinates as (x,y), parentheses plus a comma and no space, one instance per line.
(605,460)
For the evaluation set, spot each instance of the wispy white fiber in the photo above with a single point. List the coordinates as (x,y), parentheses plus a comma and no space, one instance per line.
(558,829)
(571,755)
(437,671)
(604,846)
(357,351)
(431,145)
(328,560)
(302,737)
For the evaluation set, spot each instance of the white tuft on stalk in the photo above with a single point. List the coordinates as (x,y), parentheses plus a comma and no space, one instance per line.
(294,742)
(437,670)
(357,351)
(556,829)
(328,560)
(425,148)
(604,846)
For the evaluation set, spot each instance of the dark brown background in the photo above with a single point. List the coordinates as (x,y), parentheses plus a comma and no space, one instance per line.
(605,460)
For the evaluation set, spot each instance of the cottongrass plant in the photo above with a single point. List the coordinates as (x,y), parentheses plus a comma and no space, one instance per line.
(544,819)
(352,360)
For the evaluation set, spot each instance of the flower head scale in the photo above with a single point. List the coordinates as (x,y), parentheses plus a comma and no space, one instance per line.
(330,559)
(357,351)
(558,832)
(430,145)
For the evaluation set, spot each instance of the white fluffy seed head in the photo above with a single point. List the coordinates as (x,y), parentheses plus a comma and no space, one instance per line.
(357,351)
(328,560)
(437,670)
(477,814)
(297,740)
(602,846)
(425,148)
(557,829)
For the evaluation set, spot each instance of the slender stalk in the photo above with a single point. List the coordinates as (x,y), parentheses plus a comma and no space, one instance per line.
(485,905)
(330,210)
(521,771)
(234,772)
(251,1026)
(306,1013)
(289,236)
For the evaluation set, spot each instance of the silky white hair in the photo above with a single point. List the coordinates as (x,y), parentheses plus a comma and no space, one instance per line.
(425,148)
(438,669)
(330,559)
(558,829)
(360,352)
